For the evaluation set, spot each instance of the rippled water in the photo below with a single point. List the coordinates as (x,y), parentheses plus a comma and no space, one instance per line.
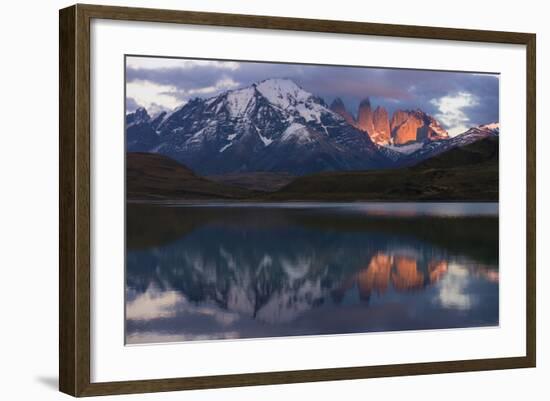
(215,271)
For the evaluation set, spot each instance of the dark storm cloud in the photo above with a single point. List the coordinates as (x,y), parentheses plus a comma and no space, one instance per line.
(391,88)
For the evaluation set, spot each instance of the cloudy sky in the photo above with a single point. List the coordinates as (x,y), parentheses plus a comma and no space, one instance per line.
(458,100)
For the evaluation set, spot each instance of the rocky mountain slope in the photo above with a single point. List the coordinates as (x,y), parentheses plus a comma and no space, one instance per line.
(438,146)
(415,126)
(273,125)
(405,126)
(153,176)
(462,173)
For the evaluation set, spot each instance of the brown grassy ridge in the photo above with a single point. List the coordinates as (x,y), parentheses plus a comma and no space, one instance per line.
(469,173)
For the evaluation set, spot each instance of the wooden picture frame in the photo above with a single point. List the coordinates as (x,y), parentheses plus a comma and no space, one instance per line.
(74,205)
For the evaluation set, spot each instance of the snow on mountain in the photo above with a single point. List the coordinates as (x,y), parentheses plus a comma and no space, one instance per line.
(292,100)
(406,149)
(434,148)
(277,126)
(139,116)
(225,147)
(140,132)
(282,92)
(238,101)
(297,132)
(273,125)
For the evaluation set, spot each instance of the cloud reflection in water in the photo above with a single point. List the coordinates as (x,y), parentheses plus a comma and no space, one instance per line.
(246,273)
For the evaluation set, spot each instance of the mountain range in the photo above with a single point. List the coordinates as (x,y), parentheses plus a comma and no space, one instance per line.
(462,173)
(405,126)
(276,126)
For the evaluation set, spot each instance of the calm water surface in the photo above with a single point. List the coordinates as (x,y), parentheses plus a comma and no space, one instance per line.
(215,271)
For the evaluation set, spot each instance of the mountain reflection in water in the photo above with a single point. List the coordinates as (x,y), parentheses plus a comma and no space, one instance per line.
(213,272)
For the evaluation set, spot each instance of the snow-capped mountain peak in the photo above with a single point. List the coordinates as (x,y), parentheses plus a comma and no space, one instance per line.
(289,97)
(139,116)
(272,125)
(282,92)
(239,100)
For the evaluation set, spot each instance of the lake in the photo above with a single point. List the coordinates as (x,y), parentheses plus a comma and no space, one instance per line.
(210,271)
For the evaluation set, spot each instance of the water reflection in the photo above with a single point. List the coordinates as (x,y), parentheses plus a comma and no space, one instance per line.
(200,273)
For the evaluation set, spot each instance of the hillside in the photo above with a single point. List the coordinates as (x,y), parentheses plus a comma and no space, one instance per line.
(256,181)
(153,176)
(481,151)
(468,173)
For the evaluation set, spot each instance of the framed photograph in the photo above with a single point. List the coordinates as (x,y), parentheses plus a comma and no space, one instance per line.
(250,200)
